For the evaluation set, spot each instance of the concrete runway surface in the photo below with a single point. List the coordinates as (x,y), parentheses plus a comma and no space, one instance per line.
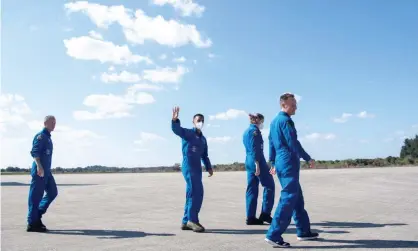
(360,209)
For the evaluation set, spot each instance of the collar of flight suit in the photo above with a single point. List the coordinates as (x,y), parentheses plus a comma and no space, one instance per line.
(284,113)
(46,132)
(254,125)
(195,131)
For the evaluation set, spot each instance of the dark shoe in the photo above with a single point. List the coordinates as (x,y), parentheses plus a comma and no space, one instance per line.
(254,221)
(308,236)
(196,227)
(35,228)
(278,244)
(185,227)
(42,225)
(266,218)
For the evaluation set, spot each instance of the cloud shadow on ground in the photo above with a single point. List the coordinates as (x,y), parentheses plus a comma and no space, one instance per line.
(19,184)
(106,234)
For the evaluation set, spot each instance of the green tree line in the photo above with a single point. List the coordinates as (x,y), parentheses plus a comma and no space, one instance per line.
(408,157)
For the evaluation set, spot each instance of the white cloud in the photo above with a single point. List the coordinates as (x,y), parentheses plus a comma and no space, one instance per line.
(186,7)
(320,136)
(179,60)
(124,76)
(111,68)
(163,56)
(211,55)
(138,27)
(88,48)
(229,114)
(165,75)
(96,35)
(344,118)
(13,111)
(143,86)
(147,140)
(364,115)
(223,139)
(112,106)
(146,137)
(21,128)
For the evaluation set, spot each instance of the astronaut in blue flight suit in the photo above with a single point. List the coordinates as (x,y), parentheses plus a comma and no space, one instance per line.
(285,153)
(195,151)
(257,171)
(42,179)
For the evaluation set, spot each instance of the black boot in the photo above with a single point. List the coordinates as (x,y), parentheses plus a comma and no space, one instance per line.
(266,218)
(35,228)
(254,221)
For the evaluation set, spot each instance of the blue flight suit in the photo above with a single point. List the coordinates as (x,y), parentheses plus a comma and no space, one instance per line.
(42,147)
(285,152)
(195,151)
(253,143)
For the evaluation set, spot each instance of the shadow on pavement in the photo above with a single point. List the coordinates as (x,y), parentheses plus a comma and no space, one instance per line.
(264,231)
(334,224)
(105,234)
(19,184)
(365,244)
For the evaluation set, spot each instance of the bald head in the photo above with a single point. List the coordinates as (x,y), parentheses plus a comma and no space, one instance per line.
(288,103)
(49,122)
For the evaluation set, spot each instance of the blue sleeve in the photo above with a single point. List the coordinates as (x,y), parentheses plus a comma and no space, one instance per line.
(272,150)
(178,130)
(255,142)
(293,143)
(305,156)
(205,158)
(38,145)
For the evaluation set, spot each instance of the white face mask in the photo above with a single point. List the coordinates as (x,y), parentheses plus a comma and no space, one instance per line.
(199,125)
(261,126)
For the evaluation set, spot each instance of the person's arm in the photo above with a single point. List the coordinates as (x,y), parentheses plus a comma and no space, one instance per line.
(205,158)
(255,142)
(305,156)
(272,150)
(38,146)
(178,130)
(292,141)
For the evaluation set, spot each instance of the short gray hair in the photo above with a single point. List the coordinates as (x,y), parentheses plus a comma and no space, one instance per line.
(48,117)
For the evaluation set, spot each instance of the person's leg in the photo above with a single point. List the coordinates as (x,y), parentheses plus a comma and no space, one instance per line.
(195,200)
(267,181)
(200,194)
(301,218)
(197,195)
(36,190)
(186,175)
(251,195)
(51,193)
(283,214)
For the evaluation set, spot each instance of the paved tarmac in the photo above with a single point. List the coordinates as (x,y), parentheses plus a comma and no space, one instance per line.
(361,209)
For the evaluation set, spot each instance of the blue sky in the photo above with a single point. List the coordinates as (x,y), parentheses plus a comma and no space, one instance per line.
(111,77)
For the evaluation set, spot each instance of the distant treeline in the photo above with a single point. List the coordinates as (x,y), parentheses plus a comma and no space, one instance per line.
(320,164)
(408,157)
